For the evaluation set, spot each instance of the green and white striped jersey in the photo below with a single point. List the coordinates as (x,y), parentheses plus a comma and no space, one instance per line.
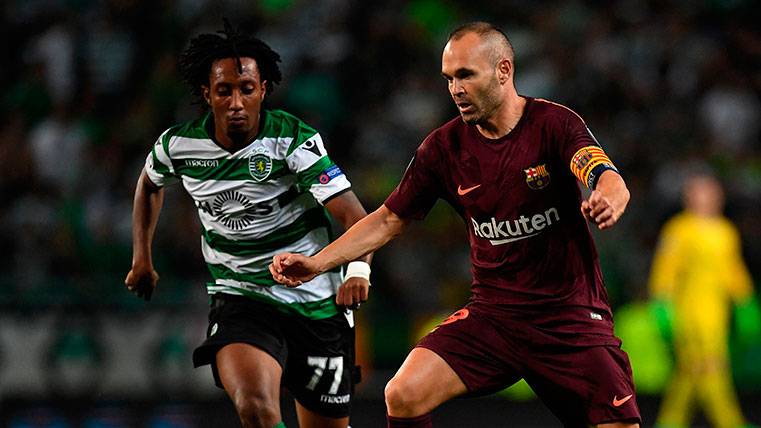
(259,201)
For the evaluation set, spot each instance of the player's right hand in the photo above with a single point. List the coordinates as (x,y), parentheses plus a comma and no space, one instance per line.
(142,281)
(293,270)
(601,210)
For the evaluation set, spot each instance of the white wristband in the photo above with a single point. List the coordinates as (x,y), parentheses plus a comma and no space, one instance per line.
(358,269)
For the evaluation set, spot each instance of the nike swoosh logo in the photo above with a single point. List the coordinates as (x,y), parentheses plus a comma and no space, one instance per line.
(617,402)
(462,192)
(505,241)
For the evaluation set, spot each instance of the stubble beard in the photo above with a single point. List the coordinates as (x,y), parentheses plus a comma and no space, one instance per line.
(485,105)
(237,136)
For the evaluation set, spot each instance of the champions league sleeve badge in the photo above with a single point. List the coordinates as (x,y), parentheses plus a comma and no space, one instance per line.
(537,177)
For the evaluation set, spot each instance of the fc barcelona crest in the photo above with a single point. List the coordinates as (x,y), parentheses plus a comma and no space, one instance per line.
(260,166)
(537,177)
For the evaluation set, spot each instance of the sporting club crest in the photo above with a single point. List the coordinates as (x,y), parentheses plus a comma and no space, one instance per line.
(260,166)
(537,177)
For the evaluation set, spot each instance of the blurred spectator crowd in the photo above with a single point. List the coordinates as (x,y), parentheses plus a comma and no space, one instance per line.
(88,86)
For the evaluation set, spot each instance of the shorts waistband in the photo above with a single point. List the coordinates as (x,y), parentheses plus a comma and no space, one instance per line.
(219,299)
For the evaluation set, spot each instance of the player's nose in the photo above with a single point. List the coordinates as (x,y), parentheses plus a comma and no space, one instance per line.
(236,100)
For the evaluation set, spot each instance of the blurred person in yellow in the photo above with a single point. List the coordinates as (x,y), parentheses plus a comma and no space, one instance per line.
(697,274)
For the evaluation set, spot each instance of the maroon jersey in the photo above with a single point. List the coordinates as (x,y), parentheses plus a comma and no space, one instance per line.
(529,244)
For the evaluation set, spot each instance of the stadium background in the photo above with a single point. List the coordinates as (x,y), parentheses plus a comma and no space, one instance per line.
(87,86)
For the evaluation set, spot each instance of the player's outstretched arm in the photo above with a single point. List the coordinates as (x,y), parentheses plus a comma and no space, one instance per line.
(347,210)
(607,202)
(366,236)
(149,198)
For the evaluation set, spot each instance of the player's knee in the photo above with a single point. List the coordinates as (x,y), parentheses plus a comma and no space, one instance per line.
(617,425)
(256,410)
(402,398)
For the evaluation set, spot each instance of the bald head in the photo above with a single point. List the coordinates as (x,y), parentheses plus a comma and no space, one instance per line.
(477,61)
(494,40)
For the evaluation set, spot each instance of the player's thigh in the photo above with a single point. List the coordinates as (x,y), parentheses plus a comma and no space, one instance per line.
(585,386)
(247,372)
(464,355)
(320,371)
(310,419)
(422,383)
(617,425)
(702,349)
(473,347)
(239,320)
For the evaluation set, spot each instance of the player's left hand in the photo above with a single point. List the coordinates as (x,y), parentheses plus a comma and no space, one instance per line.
(601,210)
(353,292)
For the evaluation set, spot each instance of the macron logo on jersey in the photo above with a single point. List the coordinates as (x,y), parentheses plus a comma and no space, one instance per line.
(506,231)
(203,163)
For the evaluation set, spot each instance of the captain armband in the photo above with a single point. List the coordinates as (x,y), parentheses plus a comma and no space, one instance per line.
(588,164)
(357,269)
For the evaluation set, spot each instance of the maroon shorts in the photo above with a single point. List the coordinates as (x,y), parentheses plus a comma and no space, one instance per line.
(584,378)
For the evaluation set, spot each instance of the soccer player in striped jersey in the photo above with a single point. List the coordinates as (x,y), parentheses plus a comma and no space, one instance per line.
(262,181)
(510,166)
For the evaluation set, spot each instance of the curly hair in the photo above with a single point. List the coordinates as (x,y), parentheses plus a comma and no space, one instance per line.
(195,62)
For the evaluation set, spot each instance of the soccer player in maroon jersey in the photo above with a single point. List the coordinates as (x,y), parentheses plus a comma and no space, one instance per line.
(509,166)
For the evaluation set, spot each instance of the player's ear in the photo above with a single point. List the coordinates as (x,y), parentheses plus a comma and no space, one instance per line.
(504,69)
(264,89)
(206,94)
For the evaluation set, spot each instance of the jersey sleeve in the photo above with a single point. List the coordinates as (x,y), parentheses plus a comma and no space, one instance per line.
(667,261)
(315,171)
(158,163)
(582,152)
(419,189)
(739,283)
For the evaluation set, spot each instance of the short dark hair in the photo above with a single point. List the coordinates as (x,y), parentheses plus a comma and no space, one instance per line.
(484,30)
(195,62)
